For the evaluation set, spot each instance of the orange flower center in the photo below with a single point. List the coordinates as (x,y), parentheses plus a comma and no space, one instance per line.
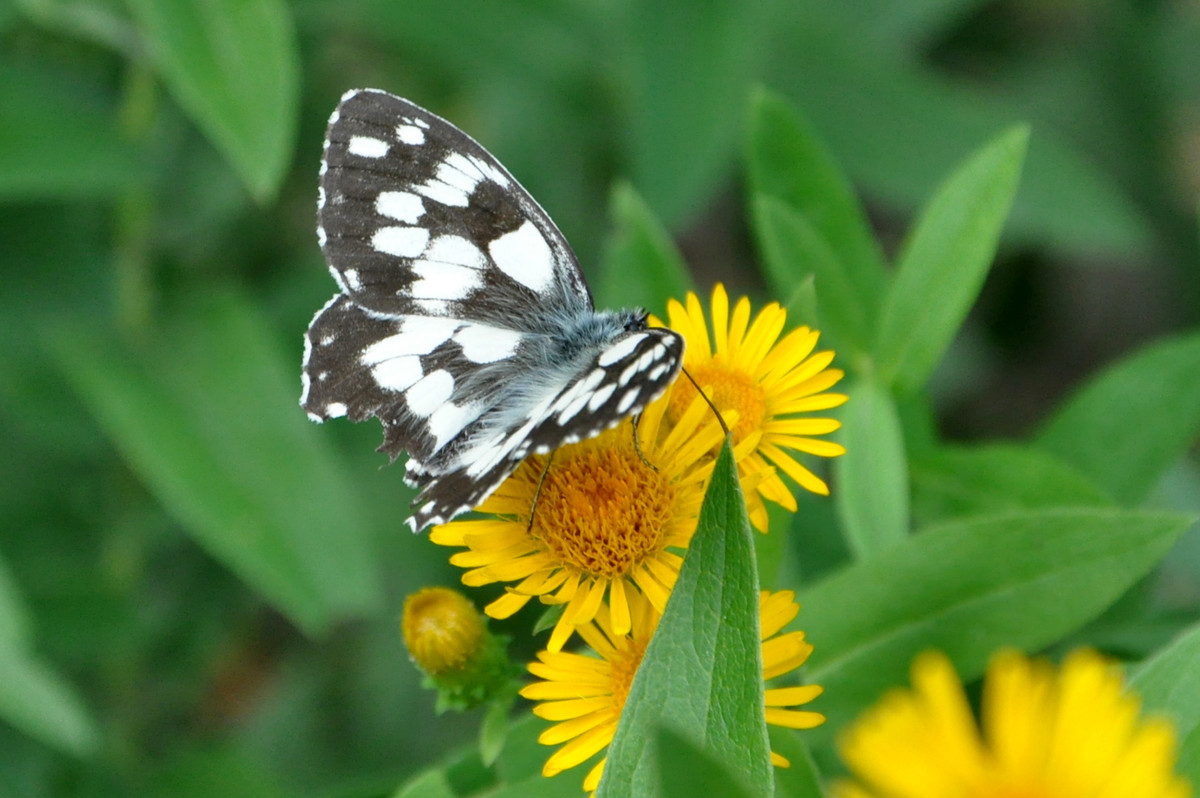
(732,389)
(603,511)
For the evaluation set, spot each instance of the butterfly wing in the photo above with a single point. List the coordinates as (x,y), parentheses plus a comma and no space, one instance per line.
(463,322)
(416,218)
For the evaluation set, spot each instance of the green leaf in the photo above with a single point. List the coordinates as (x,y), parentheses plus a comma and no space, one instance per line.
(38,701)
(223,771)
(678,147)
(57,142)
(685,770)
(944,261)
(702,672)
(233,66)
(494,729)
(976,480)
(802,306)
(794,252)
(967,588)
(642,266)
(788,161)
(801,780)
(1169,684)
(872,476)
(1130,424)
(207,418)
(33,697)
(429,784)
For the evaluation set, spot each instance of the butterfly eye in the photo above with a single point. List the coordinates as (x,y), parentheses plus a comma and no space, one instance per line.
(636,320)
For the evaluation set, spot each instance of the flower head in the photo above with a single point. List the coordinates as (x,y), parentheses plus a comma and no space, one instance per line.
(584,695)
(1074,733)
(442,629)
(606,516)
(769,382)
(449,641)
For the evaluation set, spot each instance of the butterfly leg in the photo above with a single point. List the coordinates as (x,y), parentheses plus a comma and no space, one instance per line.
(637,445)
(537,493)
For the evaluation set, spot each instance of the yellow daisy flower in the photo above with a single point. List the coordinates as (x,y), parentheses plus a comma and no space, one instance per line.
(585,695)
(1070,734)
(746,367)
(605,521)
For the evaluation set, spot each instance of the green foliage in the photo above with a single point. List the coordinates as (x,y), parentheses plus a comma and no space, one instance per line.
(1158,387)
(701,676)
(969,587)
(641,264)
(198,587)
(872,476)
(196,416)
(233,66)
(943,262)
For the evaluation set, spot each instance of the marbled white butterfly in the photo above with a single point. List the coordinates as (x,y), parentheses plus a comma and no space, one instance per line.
(462,321)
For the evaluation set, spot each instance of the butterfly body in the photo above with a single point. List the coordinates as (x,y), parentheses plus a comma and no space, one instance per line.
(462,321)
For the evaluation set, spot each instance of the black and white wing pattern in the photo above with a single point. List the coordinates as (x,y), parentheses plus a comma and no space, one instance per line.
(462,320)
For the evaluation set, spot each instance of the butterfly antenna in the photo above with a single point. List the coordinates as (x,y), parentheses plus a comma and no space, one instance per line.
(717,412)
(537,493)
(637,445)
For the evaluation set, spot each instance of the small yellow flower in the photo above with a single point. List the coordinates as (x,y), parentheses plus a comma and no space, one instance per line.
(604,524)
(584,695)
(768,381)
(448,639)
(442,629)
(1074,733)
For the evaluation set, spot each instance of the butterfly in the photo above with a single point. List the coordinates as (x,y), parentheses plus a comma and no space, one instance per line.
(462,319)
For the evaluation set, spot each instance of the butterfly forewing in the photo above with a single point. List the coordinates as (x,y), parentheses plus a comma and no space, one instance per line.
(416,217)
(463,322)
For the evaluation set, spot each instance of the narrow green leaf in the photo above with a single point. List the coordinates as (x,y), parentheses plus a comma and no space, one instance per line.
(679,150)
(38,701)
(207,418)
(430,784)
(685,770)
(16,629)
(801,780)
(494,729)
(1169,684)
(945,259)
(1129,425)
(954,481)
(872,476)
(793,251)
(233,66)
(802,306)
(58,142)
(642,266)
(969,587)
(788,161)
(702,672)
(33,697)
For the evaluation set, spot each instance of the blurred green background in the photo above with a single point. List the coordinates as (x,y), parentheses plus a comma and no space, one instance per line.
(198,587)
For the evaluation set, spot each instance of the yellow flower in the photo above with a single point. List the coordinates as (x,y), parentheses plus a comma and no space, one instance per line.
(584,695)
(1070,734)
(746,367)
(604,523)
(442,629)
